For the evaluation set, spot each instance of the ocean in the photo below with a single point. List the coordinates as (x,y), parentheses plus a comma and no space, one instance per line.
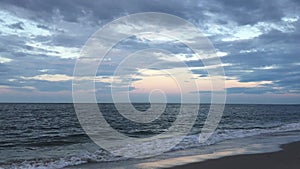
(48,136)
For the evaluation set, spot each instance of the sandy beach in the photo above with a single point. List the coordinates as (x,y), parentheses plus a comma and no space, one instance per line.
(287,158)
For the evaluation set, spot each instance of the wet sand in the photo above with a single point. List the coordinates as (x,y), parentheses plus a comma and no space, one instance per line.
(287,158)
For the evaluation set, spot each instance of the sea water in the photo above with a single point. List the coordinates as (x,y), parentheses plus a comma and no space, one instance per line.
(50,136)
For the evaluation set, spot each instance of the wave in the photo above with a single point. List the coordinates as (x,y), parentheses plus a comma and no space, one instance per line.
(226,134)
(190,141)
(87,157)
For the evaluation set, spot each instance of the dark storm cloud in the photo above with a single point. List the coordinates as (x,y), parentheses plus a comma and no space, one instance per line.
(275,48)
(241,11)
(250,12)
(72,10)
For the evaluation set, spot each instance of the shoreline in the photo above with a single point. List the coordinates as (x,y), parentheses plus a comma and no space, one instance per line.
(288,157)
(209,157)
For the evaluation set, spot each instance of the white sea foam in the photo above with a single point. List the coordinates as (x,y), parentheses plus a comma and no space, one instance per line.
(189,142)
(86,157)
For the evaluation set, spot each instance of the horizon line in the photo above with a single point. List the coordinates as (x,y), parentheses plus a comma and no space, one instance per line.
(146,103)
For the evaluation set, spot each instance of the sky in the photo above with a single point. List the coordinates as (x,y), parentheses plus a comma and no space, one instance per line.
(257,42)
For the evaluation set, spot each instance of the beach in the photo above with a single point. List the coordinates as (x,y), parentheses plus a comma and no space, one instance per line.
(143,84)
(287,158)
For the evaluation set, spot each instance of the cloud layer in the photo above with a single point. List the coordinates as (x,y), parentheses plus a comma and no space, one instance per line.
(258,43)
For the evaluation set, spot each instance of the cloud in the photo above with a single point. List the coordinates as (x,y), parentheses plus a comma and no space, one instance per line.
(5,60)
(56,51)
(236,32)
(14,25)
(257,42)
(19,25)
(50,78)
